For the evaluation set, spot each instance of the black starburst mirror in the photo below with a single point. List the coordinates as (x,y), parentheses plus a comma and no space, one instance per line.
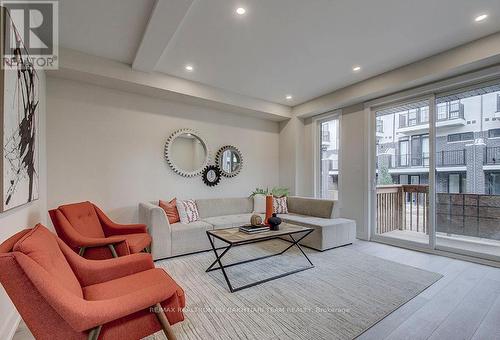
(211,175)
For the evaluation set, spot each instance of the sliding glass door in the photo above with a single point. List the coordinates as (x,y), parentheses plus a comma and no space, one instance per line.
(468,171)
(402,172)
(436,172)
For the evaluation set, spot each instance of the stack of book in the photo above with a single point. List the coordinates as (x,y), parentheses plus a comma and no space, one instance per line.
(250,229)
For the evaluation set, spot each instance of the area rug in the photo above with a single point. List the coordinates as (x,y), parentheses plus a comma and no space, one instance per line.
(345,294)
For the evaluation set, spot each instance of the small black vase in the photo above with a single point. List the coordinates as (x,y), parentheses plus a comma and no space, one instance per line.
(274,222)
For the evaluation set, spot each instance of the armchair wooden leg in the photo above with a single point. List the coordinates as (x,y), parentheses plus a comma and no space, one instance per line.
(82,251)
(113,250)
(94,333)
(169,333)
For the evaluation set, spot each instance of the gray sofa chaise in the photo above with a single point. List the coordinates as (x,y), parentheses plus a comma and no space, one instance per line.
(176,239)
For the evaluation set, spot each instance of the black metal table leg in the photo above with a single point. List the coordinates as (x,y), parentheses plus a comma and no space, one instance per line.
(296,243)
(218,259)
(223,267)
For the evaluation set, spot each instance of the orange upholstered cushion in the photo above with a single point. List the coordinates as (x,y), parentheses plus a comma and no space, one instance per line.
(41,246)
(83,217)
(171,210)
(125,285)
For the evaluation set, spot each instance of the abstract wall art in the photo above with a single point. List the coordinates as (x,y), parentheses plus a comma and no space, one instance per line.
(18,123)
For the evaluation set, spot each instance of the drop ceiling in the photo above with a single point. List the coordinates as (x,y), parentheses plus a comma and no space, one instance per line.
(279,47)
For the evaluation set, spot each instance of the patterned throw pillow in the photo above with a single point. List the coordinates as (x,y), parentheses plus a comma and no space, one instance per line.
(188,211)
(279,205)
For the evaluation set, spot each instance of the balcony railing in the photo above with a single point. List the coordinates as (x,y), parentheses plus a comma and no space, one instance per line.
(443,158)
(451,158)
(492,155)
(405,207)
(402,207)
(408,160)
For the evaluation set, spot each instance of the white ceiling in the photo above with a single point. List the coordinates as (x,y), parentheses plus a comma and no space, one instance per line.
(106,28)
(279,47)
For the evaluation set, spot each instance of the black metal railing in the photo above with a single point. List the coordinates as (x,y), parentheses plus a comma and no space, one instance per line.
(443,158)
(492,155)
(450,158)
(408,160)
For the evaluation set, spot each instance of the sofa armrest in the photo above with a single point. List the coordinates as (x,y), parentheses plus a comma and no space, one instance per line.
(158,227)
(316,207)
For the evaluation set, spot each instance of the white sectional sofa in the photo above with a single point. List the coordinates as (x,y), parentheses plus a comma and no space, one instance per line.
(178,239)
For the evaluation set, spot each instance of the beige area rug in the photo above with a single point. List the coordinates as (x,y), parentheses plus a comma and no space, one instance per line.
(345,294)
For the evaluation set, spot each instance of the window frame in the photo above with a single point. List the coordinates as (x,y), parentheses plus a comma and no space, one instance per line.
(316,151)
(461,177)
(460,136)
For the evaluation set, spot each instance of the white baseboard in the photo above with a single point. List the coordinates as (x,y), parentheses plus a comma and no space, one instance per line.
(8,329)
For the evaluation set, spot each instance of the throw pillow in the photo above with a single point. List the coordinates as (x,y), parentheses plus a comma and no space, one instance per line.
(279,205)
(259,204)
(171,210)
(188,211)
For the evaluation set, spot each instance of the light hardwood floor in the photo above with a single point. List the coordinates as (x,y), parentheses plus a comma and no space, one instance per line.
(464,304)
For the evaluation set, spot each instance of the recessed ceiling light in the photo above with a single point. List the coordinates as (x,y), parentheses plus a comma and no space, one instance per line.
(356,68)
(240,11)
(481,17)
(189,68)
(288,97)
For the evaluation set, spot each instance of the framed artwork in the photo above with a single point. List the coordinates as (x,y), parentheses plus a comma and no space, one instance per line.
(19,111)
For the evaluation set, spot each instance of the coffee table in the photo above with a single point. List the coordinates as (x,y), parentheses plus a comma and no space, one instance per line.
(234,237)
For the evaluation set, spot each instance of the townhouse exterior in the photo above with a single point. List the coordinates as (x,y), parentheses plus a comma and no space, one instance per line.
(467,143)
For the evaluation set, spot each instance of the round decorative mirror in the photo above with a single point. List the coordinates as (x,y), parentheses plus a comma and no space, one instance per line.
(211,175)
(187,153)
(229,160)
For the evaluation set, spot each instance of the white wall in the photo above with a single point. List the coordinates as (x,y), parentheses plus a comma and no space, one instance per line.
(107,146)
(353,172)
(23,217)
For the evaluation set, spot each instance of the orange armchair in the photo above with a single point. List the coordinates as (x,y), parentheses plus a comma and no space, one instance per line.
(88,231)
(61,295)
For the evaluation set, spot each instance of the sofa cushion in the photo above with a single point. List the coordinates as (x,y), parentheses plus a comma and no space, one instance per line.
(41,246)
(229,221)
(307,221)
(188,238)
(310,206)
(224,206)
